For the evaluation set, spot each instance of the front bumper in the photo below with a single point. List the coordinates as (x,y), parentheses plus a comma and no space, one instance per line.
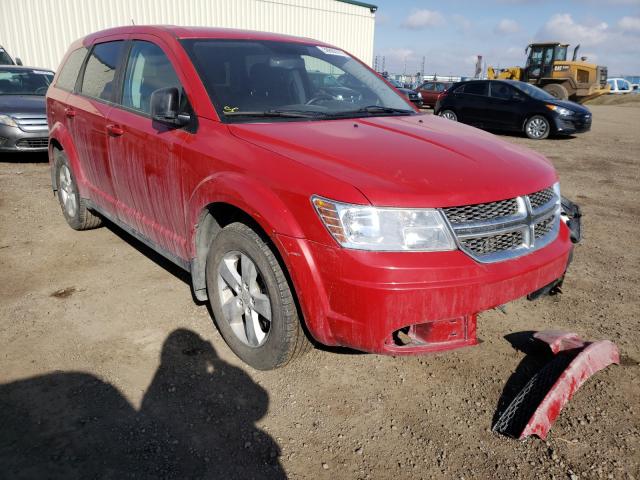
(364,300)
(571,125)
(12,139)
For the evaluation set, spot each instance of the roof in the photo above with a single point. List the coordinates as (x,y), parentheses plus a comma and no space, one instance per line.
(549,43)
(372,8)
(197,32)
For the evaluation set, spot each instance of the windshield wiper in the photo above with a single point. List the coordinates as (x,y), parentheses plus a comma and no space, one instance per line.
(371,109)
(381,109)
(273,113)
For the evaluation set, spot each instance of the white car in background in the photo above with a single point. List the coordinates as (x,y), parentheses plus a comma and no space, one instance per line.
(619,86)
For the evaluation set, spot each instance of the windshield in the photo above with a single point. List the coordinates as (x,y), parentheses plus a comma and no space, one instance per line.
(561,53)
(24,82)
(249,78)
(533,91)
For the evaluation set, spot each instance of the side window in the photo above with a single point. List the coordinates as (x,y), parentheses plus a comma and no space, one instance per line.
(148,69)
(622,85)
(71,69)
(99,74)
(459,89)
(476,88)
(501,91)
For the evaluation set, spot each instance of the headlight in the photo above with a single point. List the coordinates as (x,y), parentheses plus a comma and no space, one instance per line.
(384,229)
(419,95)
(565,112)
(7,120)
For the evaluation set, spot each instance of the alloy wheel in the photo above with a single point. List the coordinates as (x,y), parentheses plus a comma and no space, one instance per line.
(245,302)
(68,197)
(537,127)
(449,115)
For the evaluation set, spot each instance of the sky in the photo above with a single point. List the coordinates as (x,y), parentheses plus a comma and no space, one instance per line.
(451,33)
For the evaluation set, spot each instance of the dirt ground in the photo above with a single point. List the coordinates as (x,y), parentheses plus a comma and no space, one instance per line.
(109,369)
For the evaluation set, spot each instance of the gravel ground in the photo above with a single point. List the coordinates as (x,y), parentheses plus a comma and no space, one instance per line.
(109,369)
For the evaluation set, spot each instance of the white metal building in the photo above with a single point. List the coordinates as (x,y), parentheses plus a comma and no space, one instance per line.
(40,31)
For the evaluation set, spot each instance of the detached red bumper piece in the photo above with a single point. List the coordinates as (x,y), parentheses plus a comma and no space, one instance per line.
(539,403)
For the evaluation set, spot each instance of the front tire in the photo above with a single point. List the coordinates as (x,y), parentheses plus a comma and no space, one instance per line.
(537,128)
(252,301)
(449,115)
(74,207)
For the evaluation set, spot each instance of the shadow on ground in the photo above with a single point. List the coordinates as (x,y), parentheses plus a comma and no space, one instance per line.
(197,420)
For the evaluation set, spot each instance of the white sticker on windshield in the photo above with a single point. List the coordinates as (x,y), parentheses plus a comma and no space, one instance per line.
(331,51)
(42,72)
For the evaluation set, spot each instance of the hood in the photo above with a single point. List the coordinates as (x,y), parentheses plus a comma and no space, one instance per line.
(17,104)
(576,107)
(407,161)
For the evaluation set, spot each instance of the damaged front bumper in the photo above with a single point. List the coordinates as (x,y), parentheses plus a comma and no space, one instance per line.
(538,404)
(571,215)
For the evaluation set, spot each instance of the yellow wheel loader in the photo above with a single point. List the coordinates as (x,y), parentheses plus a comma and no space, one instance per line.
(548,68)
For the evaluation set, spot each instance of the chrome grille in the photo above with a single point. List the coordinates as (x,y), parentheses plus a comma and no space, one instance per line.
(496,231)
(544,227)
(31,122)
(481,211)
(27,143)
(541,198)
(493,243)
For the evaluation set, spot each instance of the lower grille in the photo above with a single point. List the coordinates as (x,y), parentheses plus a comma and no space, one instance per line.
(27,143)
(496,231)
(493,243)
(544,227)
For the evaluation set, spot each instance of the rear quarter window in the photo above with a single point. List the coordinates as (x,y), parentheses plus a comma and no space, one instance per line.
(71,69)
(476,88)
(98,80)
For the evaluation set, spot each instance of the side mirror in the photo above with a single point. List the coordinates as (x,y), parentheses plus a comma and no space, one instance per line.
(165,104)
(18,61)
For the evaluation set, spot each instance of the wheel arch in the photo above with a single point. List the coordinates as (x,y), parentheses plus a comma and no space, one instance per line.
(231,197)
(527,117)
(60,140)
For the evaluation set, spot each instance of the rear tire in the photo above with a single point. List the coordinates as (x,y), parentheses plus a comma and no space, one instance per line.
(537,128)
(251,300)
(74,207)
(449,115)
(557,90)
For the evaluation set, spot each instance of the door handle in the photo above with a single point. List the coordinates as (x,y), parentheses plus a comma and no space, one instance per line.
(69,112)
(115,130)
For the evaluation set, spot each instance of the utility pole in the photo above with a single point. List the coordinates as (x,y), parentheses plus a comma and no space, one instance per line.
(423,64)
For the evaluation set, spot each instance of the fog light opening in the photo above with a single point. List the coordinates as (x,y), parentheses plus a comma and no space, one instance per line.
(435,335)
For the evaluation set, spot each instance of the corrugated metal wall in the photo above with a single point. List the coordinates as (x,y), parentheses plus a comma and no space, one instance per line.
(40,31)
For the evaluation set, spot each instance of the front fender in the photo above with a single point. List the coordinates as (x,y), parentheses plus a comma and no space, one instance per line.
(247,194)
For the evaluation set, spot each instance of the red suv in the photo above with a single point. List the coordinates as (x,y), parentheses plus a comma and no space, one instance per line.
(299,212)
